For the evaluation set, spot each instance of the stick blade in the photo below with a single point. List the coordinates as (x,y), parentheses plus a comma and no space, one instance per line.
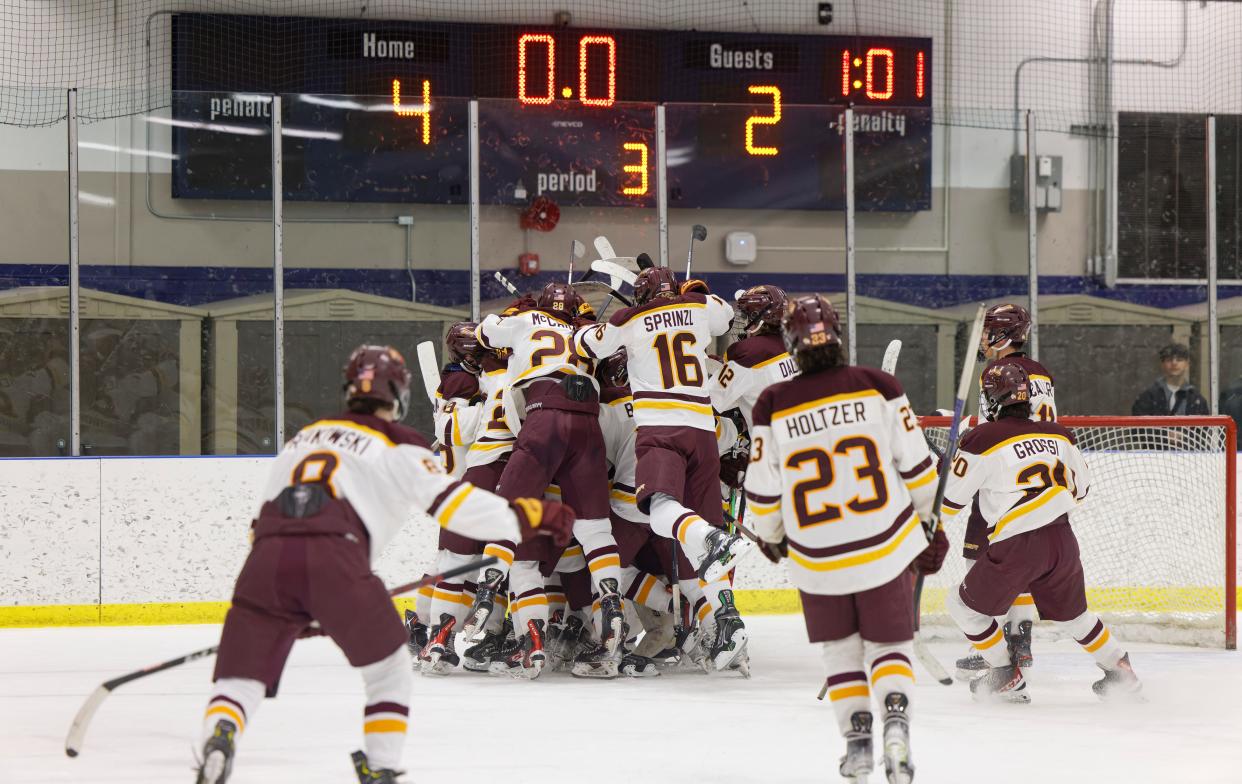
(889,365)
(699,232)
(604,248)
(81,722)
(579,249)
(429,368)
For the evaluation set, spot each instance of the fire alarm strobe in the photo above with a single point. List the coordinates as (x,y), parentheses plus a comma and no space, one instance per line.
(528,264)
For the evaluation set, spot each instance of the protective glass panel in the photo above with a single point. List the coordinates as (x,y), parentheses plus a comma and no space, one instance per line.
(376,236)
(34,294)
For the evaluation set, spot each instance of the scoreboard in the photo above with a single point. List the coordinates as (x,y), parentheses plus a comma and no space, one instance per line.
(377,111)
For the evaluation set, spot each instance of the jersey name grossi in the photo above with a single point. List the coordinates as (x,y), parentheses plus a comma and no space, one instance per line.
(1027,475)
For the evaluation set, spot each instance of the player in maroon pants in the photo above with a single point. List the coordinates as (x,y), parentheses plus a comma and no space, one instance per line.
(338,492)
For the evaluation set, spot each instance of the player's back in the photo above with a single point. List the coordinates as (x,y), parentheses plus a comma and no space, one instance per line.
(845,443)
(752,364)
(357,459)
(1043,398)
(454,418)
(667,341)
(541,344)
(1028,473)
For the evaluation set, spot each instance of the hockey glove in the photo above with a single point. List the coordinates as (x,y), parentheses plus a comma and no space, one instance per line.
(930,560)
(774,551)
(733,465)
(544,518)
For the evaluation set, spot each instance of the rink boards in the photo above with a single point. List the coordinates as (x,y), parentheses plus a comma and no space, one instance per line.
(160,540)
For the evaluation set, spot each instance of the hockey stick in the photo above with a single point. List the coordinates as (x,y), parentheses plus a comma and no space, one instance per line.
(81,722)
(502,280)
(889,364)
(576,250)
(429,368)
(604,248)
(697,232)
(615,271)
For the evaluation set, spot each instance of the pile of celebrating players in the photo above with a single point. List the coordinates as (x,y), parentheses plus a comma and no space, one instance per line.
(599,466)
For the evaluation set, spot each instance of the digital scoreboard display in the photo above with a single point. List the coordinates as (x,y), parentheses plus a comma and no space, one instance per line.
(377,111)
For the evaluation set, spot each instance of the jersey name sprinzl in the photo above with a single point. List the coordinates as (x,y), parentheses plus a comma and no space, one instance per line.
(666,342)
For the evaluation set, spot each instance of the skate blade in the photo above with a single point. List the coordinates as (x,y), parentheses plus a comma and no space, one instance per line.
(475,623)
(897,767)
(594,670)
(439,668)
(1014,697)
(648,672)
(966,676)
(213,768)
(470,666)
(719,568)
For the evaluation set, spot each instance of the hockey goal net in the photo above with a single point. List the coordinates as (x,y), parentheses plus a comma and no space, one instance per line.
(1157,531)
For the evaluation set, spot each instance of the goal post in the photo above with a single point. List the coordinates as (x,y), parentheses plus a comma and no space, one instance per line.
(1157,531)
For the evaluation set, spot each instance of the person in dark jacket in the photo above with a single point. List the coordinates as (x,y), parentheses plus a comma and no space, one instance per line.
(1231,402)
(1172,394)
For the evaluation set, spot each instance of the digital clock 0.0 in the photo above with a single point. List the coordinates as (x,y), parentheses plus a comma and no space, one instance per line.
(412,67)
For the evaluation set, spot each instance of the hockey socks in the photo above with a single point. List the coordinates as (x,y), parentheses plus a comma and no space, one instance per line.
(387,711)
(673,521)
(235,700)
(1091,633)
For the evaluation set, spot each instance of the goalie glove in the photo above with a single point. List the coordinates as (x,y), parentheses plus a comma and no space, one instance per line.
(544,518)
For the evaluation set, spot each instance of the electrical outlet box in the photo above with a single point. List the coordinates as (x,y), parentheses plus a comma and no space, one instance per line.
(1047,183)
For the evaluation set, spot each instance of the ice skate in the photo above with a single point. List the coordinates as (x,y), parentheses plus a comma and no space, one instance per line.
(1119,683)
(479,657)
(506,657)
(526,658)
(566,641)
(218,754)
(897,765)
(484,603)
(440,655)
(635,665)
(418,634)
(1002,684)
(369,775)
(613,628)
(857,763)
(1019,644)
(724,550)
(728,646)
(597,662)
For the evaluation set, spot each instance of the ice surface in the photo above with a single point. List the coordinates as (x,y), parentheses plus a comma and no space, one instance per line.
(677,729)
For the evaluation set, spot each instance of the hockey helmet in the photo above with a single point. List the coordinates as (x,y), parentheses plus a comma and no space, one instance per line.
(763,308)
(655,282)
(378,373)
(1004,326)
(1005,384)
(462,343)
(561,299)
(810,324)
(613,370)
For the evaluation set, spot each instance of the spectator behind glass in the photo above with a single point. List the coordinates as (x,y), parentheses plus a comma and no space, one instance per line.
(1173,394)
(1231,402)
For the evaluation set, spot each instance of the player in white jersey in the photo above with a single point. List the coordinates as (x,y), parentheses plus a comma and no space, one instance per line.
(840,480)
(1029,476)
(1006,328)
(560,441)
(758,359)
(666,336)
(337,494)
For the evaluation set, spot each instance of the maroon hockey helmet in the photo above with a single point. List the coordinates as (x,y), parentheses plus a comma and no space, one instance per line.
(613,370)
(522,304)
(561,299)
(378,373)
(1005,384)
(655,282)
(810,324)
(462,343)
(1004,326)
(763,307)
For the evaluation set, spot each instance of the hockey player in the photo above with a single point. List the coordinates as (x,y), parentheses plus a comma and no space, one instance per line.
(559,441)
(840,479)
(1006,328)
(757,360)
(337,494)
(1029,476)
(459,412)
(666,335)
